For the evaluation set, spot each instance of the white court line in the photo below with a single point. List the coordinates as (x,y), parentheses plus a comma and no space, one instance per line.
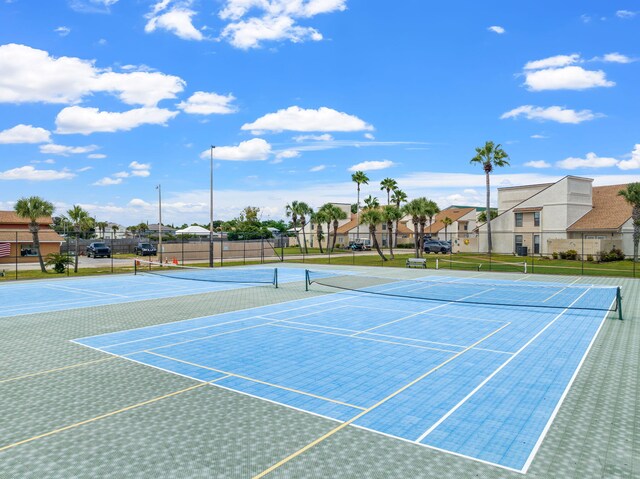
(350,336)
(422,312)
(444,344)
(494,373)
(547,426)
(80,290)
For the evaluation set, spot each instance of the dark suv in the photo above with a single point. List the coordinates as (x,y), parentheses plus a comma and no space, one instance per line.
(145,249)
(98,250)
(434,246)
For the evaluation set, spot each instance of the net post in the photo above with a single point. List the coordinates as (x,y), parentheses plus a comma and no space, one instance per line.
(306,280)
(437,265)
(135,267)
(619,302)
(525,267)
(275,277)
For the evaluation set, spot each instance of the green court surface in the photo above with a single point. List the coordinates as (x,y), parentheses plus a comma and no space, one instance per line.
(70,411)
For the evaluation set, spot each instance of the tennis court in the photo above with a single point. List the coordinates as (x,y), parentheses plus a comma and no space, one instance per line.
(476,368)
(355,372)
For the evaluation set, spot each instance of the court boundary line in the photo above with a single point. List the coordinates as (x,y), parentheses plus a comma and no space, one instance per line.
(54,370)
(80,290)
(102,416)
(258,381)
(371,408)
(565,393)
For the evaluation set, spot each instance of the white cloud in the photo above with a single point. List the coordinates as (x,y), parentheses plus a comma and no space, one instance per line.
(76,119)
(141,173)
(140,169)
(566,78)
(92,6)
(84,168)
(369,136)
(616,57)
(552,113)
(106,181)
(203,103)
(372,165)
(496,29)
(295,118)
(252,22)
(317,168)
(287,154)
(32,174)
(634,162)
(591,160)
(553,62)
(324,137)
(62,150)
(176,19)
(24,134)
(121,174)
(63,31)
(539,137)
(68,80)
(538,164)
(254,149)
(138,203)
(96,156)
(625,14)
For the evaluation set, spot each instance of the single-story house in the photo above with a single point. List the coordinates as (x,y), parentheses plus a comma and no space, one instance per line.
(16,240)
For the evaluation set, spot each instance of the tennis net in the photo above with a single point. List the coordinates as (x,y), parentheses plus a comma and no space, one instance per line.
(535,295)
(218,275)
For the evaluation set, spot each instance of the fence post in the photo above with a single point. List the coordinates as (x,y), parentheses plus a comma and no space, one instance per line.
(582,256)
(182,249)
(17,252)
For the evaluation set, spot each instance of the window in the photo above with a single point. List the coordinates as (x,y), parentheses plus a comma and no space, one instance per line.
(518,244)
(536,244)
(312,226)
(536,218)
(518,219)
(384,226)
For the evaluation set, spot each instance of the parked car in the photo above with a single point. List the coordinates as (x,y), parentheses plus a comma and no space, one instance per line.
(145,249)
(360,245)
(98,250)
(435,246)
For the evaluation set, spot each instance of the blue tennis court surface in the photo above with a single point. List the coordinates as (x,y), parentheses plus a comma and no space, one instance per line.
(63,294)
(478,380)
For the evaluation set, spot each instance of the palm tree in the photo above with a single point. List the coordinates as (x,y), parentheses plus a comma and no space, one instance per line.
(133,230)
(391,214)
(144,228)
(318,218)
(102,228)
(431,211)
(446,221)
(388,185)
(399,197)
(490,156)
(302,210)
(114,228)
(360,178)
(292,212)
(325,213)
(371,202)
(336,214)
(482,217)
(415,208)
(372,217)
(79,219)
(632,194)
(34,208)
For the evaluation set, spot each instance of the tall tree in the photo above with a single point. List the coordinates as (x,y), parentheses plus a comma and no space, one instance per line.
(415,208)
(143,228)
(318,218)
(34,208)
(388,185)
(373,217)
(371,202)
(446,221)
(391,214)
(292,212)
(115,229)
(432,209)
(482,217)
(336,214)
(360,178)
(80,220)
(303,210)
(399,197)
(490,156)
(632,194)
(102,228)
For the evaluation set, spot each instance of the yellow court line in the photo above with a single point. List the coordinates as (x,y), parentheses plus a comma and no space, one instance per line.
(247,378)
(97,418)
(368,410)
(63,368)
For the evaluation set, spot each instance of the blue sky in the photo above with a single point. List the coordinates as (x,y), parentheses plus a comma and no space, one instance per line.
(101,100)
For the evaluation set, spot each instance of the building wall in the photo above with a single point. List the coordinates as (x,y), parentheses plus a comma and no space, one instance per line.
(15,255)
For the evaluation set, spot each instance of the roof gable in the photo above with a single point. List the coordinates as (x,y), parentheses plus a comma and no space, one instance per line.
(610,211)
(12,218)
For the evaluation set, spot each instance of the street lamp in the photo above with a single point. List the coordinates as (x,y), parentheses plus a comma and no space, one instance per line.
(159,188)
(211,210)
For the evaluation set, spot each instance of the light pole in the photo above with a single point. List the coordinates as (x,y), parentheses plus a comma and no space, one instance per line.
(211,209)
(159,188)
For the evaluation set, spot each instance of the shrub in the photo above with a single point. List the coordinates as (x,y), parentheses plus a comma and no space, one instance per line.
(571,254)
(615,254)
(562,255)
(589,257)
(554,255)
(59,262)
